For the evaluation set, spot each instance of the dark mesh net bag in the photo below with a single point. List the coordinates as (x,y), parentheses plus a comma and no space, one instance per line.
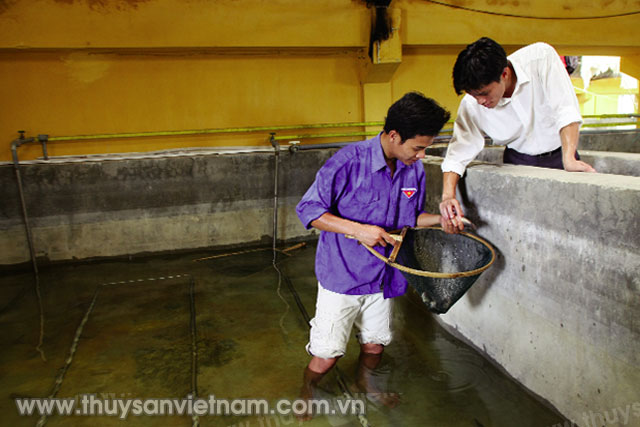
(441,267)
(453,255)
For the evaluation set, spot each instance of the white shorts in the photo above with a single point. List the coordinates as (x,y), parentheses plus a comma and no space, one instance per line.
(335,316)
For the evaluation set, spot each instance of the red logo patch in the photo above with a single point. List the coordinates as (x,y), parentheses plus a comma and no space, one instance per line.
(409,192)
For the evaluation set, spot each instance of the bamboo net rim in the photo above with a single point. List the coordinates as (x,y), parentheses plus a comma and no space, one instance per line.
(434,274)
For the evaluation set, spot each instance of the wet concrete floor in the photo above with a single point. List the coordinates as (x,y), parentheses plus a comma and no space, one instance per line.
(250,334)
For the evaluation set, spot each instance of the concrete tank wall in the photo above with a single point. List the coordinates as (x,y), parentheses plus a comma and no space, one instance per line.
(106,208)
(627,142)
(613,162)
(559,309)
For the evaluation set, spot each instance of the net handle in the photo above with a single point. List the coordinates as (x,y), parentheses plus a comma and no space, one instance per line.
(434,274)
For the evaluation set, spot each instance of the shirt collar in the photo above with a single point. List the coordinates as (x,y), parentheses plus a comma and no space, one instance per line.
(378,161)
(523,78)
(377,155)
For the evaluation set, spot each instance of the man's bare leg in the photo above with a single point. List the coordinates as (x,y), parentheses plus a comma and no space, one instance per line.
(313,373)
(370,357)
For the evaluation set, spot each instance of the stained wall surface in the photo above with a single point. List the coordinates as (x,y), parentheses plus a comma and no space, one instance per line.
(88,67)
(559,309)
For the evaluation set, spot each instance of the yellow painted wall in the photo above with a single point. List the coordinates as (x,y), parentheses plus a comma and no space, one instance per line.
(78,93)
(430,23)
(182,23)
(72,67)
(630,64)
(428,70)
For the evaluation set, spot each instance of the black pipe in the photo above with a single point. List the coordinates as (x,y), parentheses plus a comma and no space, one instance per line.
(43,140)
(16,165)
(295,147)
(276,148)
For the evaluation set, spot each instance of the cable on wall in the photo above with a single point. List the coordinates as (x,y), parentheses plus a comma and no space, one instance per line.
(511,15)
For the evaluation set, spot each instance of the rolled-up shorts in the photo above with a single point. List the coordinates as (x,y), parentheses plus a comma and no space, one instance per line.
(337,313)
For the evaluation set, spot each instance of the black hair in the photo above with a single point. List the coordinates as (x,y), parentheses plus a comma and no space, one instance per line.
(415,115)
(478,65)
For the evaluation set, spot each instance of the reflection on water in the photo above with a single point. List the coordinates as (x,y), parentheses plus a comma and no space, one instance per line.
(137,343)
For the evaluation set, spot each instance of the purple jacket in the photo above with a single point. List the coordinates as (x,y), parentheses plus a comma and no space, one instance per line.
(356,184)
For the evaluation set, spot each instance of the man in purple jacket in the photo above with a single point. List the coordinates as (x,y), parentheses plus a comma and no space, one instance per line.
(364,190)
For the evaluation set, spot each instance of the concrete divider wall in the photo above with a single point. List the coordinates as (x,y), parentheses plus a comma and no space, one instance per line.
(626,142)
(559,309)
(609,162)
(106,208)
(613,162)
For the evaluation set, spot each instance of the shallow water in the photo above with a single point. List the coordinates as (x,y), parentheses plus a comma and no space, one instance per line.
(249,334)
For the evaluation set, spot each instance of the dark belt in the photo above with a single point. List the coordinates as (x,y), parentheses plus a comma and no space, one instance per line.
(548,153)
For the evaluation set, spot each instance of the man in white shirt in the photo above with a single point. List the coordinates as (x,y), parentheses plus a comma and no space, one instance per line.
(525,101)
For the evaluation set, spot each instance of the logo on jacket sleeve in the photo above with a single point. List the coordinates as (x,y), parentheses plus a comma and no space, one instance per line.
(409,192)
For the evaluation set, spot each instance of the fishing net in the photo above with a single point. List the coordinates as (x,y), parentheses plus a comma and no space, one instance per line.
(441,267)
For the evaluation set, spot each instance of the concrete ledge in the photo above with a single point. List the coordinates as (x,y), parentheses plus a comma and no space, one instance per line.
(613,162)
(559,310)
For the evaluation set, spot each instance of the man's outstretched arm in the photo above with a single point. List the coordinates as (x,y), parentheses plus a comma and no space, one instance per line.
(370,234)
(450,209)
(569,136)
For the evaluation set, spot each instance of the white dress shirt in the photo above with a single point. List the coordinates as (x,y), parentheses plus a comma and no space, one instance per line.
(542,103)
